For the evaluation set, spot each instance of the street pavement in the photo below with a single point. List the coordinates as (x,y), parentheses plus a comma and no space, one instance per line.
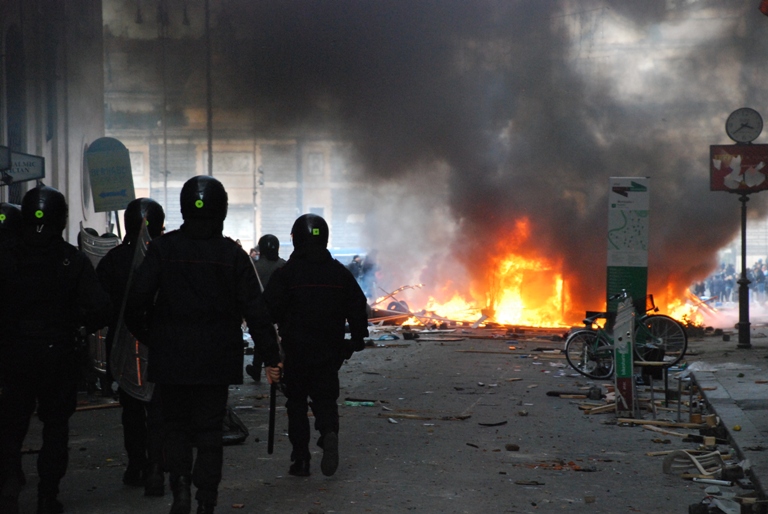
(460,422)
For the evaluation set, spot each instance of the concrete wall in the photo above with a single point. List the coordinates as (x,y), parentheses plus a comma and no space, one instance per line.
(56,109)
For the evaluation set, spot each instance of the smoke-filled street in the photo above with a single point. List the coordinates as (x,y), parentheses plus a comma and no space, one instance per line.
(481,173)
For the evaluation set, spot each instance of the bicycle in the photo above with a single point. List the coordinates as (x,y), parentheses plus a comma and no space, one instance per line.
(658,338)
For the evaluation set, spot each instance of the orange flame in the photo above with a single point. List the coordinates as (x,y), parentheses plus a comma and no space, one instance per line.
(457,308)
(528,291)
(516,289)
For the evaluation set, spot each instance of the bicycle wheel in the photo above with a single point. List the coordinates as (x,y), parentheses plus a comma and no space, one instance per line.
(589,354)
(660,338)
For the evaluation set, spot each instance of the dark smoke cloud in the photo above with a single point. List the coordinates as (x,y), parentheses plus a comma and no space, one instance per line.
(526,104)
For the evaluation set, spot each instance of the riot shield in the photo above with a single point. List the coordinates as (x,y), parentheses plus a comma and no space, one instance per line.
(96,247)
(129,357)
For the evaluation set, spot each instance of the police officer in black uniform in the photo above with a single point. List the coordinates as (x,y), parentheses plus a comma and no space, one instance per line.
(187,304)
(10,229)
(269,260)
(141,420)
(10,221)
(50,292)
(311,299)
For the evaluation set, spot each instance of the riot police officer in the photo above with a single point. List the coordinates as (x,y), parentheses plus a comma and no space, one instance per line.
(311,299)
(52,291)
(187,304)
(269,260)
(10,221)
(141,419)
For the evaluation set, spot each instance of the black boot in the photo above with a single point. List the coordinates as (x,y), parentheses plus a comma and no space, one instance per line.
(254,372)
(182,494)
(299,468)
(330,461)
(154,484)
(205,508)
(49,505)
(134,475)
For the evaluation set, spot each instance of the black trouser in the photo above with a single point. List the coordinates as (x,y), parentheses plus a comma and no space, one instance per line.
(142,429)
(321,385)
(193,415)
(46,377)
(258,361)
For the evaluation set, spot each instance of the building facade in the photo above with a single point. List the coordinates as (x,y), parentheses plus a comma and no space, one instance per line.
(52,96)
(177,89)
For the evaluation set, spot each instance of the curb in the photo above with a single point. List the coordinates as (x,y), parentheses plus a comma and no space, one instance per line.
(725,407)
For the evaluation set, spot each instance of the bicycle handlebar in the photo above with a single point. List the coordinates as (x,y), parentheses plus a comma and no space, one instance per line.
(619,296)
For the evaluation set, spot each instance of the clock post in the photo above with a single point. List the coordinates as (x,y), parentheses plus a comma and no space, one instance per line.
(745,336)
(739,169)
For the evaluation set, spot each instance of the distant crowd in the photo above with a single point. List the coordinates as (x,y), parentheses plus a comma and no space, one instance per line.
(722,285)
(364,270)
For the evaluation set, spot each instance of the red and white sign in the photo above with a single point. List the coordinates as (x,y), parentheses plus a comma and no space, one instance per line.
(738,168)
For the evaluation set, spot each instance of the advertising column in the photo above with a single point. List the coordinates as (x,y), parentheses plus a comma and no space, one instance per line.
(628,202)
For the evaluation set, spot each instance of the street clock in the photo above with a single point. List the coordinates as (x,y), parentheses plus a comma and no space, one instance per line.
(744,125)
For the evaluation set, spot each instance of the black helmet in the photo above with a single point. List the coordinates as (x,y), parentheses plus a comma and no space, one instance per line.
(203,197)
(10,220)
(269,246)
(135,213)
(310,230)
(44,208)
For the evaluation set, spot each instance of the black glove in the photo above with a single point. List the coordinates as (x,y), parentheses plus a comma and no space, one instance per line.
(357,346)
(351,347)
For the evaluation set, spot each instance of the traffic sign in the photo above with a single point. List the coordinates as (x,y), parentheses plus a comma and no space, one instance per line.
(23,167)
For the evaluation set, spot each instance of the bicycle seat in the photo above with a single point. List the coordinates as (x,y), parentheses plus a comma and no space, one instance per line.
(593,316)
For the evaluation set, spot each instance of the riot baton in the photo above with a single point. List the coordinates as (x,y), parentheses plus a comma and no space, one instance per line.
(272,407)
(273,385)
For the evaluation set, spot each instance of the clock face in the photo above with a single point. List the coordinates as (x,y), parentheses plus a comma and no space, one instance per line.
(744,125)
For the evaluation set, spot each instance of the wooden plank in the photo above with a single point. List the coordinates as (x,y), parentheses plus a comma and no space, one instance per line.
(665,432)
(404,416)
(661,423)
(611,407)
(423,417)
(490,351)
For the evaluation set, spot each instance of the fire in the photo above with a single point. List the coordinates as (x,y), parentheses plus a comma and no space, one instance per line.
(457,308)
(516,289)
(691,311)
(524,290)
(528,291)
(682,311)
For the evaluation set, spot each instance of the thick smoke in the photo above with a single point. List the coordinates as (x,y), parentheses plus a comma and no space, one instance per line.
(523,109)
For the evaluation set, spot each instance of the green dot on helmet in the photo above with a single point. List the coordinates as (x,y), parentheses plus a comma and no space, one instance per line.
(315,231)
(2,217)
(39,214)
(199,204)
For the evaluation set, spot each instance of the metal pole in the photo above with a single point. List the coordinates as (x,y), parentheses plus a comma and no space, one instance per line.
(208,87)
(163,117)
(744,334)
